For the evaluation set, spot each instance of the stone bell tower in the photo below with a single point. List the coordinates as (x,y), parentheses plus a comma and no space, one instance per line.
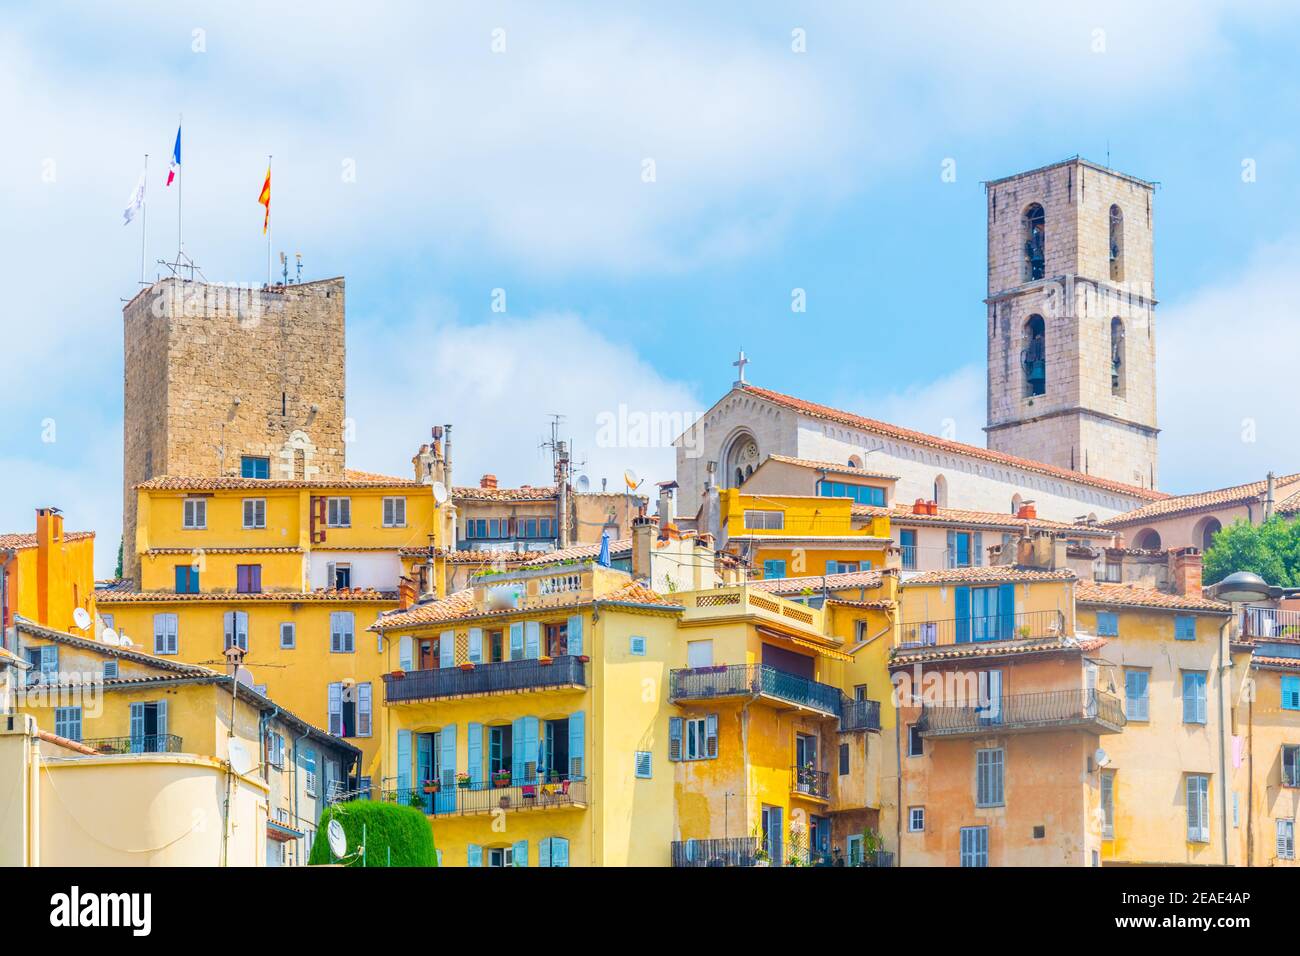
(1071,320)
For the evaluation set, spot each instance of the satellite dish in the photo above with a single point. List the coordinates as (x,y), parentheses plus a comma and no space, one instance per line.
(1101,758)
(629,476)
(440,492)
(338,839)
(244,676)
(125,641)
(110,636)
(239,759)
(81,618)
(583,484)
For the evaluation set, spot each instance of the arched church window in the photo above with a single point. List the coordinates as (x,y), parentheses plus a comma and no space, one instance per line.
(1035,239)
(1116,244)
(1016,501)
(1117,356)
(941,491)
(1033,356)
(1148,540)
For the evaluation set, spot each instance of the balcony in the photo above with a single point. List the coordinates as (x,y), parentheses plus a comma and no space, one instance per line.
(503,677)
(732,602)
(1023,626)
(483,797)
(1269,622)
(1082,709)
(805,781)
(735,851)
(753,680)
(859,715)
(146,744)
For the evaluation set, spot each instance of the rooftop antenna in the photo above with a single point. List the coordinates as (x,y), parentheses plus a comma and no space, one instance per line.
(298,278)
(284,269)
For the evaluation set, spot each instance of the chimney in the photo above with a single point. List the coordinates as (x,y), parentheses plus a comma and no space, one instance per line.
(643,536)
(919,507)
(49,535)
(488,481)
(667,506)
(1268,496)
(406,593)
(1185,571)
(1027,511)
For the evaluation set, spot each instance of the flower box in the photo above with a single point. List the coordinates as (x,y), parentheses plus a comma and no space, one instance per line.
(546,660)
(467,666)
(397,675)
(431,786)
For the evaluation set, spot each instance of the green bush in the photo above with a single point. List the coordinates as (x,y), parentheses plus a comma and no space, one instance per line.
(404,831)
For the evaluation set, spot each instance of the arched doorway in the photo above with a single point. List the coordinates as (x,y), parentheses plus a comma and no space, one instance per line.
(1206,529)
(1147,540)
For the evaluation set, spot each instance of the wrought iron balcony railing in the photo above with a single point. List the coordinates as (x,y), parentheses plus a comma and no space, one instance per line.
(483,797)
(1022,626)
(733,851)
(1269,622)
(143,744)
(859,714)
(1046,710)
(813,783)
(498,678)
(728,680)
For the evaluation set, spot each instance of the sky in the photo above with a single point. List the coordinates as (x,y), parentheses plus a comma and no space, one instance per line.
(589,209)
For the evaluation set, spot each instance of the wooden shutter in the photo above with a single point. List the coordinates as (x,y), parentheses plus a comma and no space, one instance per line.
(476,645)
(517,640)
(961,605)
(1006,611)
(532,639)
(475,855)
(575,635)
(447,649)
(544,852)
(577,744)
(711,736)
(447,755)
(674,738)
(137,728)
(532,754)
(363,709)
(978,557)
(388,513)
(399,512)
(559,851)
(405,652)
(520,853)
(335,711)
(517,757)
(952,548)
(474,745)
(161,710)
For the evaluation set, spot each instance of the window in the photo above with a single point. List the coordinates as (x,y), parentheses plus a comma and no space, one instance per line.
(916,820)
(1286,839)
(288,635)
(1184,627)
(1193,697)
(841,567)
(309,771)
(1116,244)
(235,628)
(253,466)
(500,857)
(1117,356)
(67,722)
(773,568)
(44,663)
(693,738)
(394,512)
(964,548)
(643,765)
(254,513)
(338,512)
(1108,804)
(248,578)
(1033,356)
(636,646)
(275,749)
(349,710)
(195,514)
(988,777)
(341,632)
(1290,766)
(844,760)
(764,520)
(1107,624)
(108,621)
(187,579)
(974,846)
(496,647)
(1198,808)
(1035,233)
(915,745)
(340,576)
(862,494)
(1291,692)
(110,668)
(699,653)
(1136,694)
(164,633)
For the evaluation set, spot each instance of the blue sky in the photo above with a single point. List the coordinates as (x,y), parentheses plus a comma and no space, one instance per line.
(522,170)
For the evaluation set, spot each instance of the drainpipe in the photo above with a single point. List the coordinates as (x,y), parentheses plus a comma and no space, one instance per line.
(8,555)
(1225,664)
(1268,497)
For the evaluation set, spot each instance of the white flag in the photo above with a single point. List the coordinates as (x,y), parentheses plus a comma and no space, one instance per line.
(135,202)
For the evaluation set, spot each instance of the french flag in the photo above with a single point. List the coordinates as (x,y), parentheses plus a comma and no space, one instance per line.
(176,159)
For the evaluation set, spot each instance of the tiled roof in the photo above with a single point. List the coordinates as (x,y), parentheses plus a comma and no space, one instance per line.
(943,444)
(865,605)
(1276,663)
(903,514)
(283,550)
(230,483)
(818,582)
(634,592)
(906,656)
(1290,506)
(1128,595)
(522,493)
(282,597)
(990,574)
(112,585)
(578,552)
(830,466)
(28,540)
(171,665)
(1181,504)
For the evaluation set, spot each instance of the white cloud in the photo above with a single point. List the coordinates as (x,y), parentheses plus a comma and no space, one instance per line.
(952,406)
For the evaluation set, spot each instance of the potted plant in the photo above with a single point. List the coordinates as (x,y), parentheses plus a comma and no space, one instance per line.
(431,786)
(583,658)
(545,659)
(398,674)
(1024,631)
(463,780)
(467,665)
(501,778)
(505,801)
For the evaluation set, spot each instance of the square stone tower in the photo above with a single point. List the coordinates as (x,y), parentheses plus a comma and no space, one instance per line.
(216,373)
(1071,320)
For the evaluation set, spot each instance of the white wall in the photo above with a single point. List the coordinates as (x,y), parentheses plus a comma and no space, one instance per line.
(370,569)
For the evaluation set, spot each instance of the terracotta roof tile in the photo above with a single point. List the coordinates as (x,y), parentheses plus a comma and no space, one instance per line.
(578,552)
(171,665)
(830,466)
(1128,595)
(903,514)
(354,595)
(21,541)
(1181,504)
(933,441)
(522,493)
(634,592)
(990,574)
(906,656)
(230,483)
(1290,506)
(284,550)
(1276,663)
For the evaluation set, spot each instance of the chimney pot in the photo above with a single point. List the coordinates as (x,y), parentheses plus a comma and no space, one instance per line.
(488,481)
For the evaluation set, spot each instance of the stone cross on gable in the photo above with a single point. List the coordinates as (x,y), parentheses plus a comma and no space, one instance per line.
(740,364)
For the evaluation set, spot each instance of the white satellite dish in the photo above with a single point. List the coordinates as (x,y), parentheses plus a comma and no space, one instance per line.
(440,492)
(110,636)
(81,617)
(629,476)
(125,641)
(583,484)
(1101,758)
(244,676)
(338,839)
(239,759)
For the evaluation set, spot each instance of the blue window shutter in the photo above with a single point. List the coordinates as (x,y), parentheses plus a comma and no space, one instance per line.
(517,640)
(531,752)
(137,728)
(978,557)
(575,635)
(559,851)
(961,605)
(577,732)
(447,756)
(1184,627)
(405,657)
(952,548)
(1291,693)
(674,738)
(517,757)
(476,645)
(532,639)
(161,710)
(475,855)
(544,852)
(521,853)
(1006,611)
(404,762)
(474,751)
(447,649)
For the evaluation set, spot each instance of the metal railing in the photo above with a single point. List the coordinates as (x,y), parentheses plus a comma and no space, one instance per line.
(483,797)
(1027,711)
(1270,622)
(859,714)
(726,680)
(500,677)
(814,783)
(144,744)
(733,851)
(1022,626)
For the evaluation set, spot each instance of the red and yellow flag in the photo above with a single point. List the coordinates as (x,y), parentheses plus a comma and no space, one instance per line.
(265,200)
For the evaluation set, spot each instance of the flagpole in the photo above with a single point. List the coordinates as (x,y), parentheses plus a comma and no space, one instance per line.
(144,216)
(268,226)
(180,188)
